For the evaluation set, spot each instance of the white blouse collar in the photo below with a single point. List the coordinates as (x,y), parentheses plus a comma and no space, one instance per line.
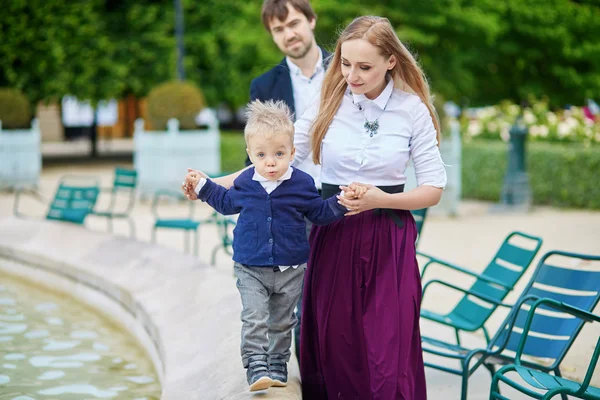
(380,101)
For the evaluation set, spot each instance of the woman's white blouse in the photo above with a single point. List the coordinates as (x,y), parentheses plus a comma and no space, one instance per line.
(349,154)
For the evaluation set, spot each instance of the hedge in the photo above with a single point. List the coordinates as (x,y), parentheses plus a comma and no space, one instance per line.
(233,151)
(559,175)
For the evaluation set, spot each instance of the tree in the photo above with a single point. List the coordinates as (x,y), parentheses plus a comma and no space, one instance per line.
(50,49)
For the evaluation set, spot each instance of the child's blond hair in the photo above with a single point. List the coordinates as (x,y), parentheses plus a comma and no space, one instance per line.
(268,119)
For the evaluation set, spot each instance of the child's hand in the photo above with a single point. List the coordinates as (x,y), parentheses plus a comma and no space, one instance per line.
(354,191)
(192,179)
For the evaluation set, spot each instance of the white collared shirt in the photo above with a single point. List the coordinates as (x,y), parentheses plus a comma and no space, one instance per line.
(268,185)
(349,154)
(305,90)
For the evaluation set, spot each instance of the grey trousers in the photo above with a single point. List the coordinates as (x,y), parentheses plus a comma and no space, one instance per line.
(269,297)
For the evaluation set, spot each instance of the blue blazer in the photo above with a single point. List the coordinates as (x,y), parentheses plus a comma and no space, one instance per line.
(276,84)
(271,229)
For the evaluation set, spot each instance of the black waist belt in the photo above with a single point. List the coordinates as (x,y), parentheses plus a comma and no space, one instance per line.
(329,190)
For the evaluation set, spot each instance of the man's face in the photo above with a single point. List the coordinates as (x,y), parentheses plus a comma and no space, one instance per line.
(294,36)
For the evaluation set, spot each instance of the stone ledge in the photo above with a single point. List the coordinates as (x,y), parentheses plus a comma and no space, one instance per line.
(184,313)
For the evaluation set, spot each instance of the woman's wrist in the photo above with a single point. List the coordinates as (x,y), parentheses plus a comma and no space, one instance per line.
(389,200)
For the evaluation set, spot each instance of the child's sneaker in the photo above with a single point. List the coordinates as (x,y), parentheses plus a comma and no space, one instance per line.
(278,371)
(258,373)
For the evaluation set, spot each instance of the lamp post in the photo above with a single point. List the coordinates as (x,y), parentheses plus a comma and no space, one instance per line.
(516,192)
(179,38)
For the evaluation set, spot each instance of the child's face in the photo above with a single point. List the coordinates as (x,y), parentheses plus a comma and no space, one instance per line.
(271,156)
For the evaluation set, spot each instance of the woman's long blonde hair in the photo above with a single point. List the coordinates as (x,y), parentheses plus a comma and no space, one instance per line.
(407,74)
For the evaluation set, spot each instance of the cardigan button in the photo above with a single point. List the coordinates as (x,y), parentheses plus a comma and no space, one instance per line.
(270,259)
(269,219)
(271,240)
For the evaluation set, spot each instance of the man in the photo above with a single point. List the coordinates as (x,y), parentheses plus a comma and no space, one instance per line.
(297,78)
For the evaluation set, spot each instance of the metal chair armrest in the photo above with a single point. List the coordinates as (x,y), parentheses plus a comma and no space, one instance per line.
(557,305)
(465,291)
(33,193)
(590,372)
(172,194)
(436,261)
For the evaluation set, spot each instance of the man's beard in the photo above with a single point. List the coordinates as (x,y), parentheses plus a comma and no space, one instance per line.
(301,52)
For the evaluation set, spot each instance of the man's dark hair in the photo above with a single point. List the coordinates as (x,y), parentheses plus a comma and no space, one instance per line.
(278,9)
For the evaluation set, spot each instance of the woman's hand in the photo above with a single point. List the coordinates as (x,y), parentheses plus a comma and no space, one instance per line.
(372,198)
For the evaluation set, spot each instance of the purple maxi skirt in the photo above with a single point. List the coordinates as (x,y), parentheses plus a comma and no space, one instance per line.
(360,335)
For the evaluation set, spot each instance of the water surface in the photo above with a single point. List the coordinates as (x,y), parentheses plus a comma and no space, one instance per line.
(53,347)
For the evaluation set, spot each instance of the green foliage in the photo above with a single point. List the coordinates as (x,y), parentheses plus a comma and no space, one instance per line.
(233,151)
(473,51)
(15,110)
(560,175)
(49,49)
(176,99)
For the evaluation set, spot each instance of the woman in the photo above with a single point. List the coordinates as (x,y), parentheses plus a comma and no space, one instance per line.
(360,334)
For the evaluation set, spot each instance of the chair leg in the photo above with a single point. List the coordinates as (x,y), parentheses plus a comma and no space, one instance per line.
(557,373)
(109,222)
(213,257)
(186,242)
(486,334)
(464,387)
(131,227)
(494,388)
(153,238)
(457,336)
(196,238)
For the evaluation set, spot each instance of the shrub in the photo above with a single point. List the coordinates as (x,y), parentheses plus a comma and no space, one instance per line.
(180,100)
(562,175)
(15,110)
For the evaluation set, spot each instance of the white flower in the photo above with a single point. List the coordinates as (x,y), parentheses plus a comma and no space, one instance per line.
(572,122)
(544,130)
(551,117)
(529,118)
(534,130)
(474,128)
(563,129)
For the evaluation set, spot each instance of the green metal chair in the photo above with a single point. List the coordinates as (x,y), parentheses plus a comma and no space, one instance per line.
(187,224)
(562,281)
(223,223)
(552,385)
(73,200)
(419,216)
(500,276)
(124,184)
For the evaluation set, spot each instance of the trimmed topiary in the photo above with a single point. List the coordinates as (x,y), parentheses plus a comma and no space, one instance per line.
(180,100)
(15,110)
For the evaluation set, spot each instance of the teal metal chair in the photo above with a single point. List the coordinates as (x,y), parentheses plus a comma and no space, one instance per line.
(223,224)
(500,276)
(567,282)
(124,185)
(548,385)
(188,224)
(73,201)
(419,216)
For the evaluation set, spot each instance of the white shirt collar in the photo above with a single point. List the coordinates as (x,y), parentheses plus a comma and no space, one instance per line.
(381,100)
(295,70)
(258,177)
